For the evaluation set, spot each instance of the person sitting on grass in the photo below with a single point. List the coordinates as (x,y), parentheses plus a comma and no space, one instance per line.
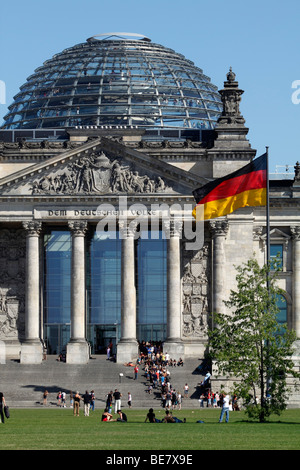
(106,416)
(172,419)
(151,417)
(122,416)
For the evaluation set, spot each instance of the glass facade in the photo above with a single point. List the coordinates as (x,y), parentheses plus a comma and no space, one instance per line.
(103,288)
(116,81)
(151,282)
(57,289)
(103,283)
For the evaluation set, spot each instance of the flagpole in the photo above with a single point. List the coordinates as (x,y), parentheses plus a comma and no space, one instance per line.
(268,253)
(268,211)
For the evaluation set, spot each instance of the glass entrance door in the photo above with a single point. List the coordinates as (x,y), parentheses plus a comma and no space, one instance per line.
(100,336)
(57,338)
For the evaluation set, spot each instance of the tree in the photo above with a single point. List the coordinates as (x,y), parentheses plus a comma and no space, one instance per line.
(250,347)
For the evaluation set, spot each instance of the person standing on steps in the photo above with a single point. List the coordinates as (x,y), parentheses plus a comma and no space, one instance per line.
(129,400)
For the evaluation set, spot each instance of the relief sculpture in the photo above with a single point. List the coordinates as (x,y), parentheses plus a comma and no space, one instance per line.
(96,173)
(195,295)
(12,292)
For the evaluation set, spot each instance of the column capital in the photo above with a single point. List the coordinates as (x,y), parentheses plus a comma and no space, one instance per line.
(295,231)
(218,227)
(32,227)
(78,227)
(173,227)
(127,228)
(257,232)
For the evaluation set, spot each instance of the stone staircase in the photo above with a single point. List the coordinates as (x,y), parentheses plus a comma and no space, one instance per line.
(23,385)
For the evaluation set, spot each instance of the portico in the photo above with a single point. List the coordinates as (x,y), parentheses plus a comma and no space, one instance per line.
(131,279)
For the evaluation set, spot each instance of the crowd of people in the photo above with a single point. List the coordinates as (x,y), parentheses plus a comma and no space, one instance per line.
(88,399)
(157,366)
(211,399)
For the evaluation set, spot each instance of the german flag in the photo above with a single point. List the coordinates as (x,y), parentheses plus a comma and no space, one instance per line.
(244,187)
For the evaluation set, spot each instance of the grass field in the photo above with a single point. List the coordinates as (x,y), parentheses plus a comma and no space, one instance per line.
(58,429)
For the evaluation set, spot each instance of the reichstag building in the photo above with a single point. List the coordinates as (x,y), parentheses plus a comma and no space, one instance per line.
(100,152)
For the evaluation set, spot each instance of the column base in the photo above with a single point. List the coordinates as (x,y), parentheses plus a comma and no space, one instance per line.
(78,352)
(31,353)
(174,348)
(127,351)
(296,350)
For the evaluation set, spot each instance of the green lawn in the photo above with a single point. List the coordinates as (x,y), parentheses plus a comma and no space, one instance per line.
(58,429)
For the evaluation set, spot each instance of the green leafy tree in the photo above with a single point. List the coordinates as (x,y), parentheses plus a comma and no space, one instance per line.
(250,347)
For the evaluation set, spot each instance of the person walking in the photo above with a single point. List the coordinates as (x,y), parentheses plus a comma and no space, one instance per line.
(129,400)
(2,405)
(45,395)
(92,404)
(77,399)
(225,408)
(109,400)
(86,401)
(63,399)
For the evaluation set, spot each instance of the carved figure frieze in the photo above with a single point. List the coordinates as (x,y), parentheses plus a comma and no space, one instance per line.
(97,173)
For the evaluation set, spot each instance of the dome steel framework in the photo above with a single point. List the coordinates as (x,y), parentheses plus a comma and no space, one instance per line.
(116,79)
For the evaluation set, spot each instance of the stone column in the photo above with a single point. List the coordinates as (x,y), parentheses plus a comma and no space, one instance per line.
(296,279)
(127,348)
(77,348)
(173,344)
(219,229)
(31,350)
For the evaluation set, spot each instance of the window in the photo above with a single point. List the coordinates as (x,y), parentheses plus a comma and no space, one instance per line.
(276,256)
(282,306)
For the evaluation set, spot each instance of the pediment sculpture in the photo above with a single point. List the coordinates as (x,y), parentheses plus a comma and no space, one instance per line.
(96,173)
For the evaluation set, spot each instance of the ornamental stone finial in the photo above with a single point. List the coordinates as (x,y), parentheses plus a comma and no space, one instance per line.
(231,75)
(297,171)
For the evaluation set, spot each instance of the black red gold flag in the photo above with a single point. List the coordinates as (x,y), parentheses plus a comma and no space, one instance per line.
(244,187)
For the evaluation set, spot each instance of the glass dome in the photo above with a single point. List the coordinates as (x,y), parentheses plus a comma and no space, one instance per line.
(116,79)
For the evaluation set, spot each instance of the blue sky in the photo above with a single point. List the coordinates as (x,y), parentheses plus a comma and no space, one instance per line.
(259,39)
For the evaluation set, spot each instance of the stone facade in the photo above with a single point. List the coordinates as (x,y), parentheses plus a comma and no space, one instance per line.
(84,179)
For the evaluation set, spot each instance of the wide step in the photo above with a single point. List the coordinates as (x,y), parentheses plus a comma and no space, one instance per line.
(23,385)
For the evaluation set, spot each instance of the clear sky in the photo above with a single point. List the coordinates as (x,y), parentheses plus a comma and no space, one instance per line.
(259,39)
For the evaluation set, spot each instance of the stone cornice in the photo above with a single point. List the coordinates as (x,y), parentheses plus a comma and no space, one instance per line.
(164,169)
